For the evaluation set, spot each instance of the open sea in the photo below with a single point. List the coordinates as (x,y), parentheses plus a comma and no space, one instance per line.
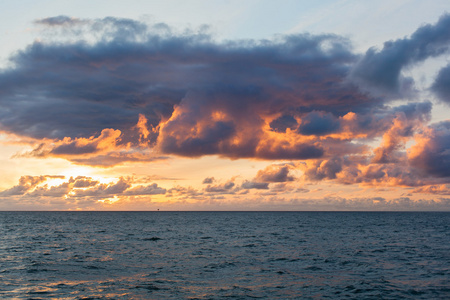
(224,255)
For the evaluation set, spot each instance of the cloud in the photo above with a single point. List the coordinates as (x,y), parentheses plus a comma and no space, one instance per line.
(27,183)
(148,178)
(83,192)
(324,169)
(110,148)
(443,189)
(408,119)
(208,180)
(104,76)
(284,122)
(391,163)
(431,153)
(53,191)
(379,71)
(103,190)
(441,85)
(78,188)
(107,139)
(364,171)
(224,188)
(255,185)
(152,189)
(275,173)
(59,21)
(182,192)
(114,158)
(107,91)
(319,123)
(83,182)
(374,204)
(125,86)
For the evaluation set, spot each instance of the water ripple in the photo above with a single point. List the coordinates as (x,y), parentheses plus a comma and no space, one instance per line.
(217,255)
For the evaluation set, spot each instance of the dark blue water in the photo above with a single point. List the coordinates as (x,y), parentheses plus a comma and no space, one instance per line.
(218,255)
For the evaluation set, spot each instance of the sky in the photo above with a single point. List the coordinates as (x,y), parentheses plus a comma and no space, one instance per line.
(225,105)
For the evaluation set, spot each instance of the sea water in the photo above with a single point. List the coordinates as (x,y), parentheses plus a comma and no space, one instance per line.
(224,255)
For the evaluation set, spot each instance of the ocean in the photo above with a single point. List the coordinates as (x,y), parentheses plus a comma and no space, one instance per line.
(224,255)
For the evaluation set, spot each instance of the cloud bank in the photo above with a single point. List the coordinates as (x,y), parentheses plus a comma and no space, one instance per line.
(106,91)
(86,193)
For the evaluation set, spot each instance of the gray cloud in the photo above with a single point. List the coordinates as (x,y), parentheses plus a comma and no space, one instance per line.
(275,173)
(380,70)
(225,188)
(284,122)
(255,185)
(83,182)
(208,180)
(432,153)
(108,71)
(152,189)
(316,123)
(106,91)
(59,21)
(441,85)
(324,169)
(27,183)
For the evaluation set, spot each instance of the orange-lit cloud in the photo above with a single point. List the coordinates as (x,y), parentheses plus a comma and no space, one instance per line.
(111,147)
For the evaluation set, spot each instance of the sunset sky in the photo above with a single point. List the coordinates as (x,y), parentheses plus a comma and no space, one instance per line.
(225,105)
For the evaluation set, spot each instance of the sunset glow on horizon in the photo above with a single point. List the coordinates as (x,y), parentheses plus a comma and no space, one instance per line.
(118,111)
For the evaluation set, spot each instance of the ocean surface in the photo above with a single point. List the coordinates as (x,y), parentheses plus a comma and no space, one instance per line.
(224,255)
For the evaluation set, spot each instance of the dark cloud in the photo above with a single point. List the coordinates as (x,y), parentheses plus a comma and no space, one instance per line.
(59,21)
(185,193)
(225,188)
(441,85)
(275,173)
(420,111)
(53,191)
(208,140)
(83,182)
(27,183)
(432,152)
(380,70)
(360,170)
(104,190)
(284,122)
(151,189)
(285,151)
(272,174)
(318,123)
(107,91)
(324,169)
(110,71)
(208,180)
(255,185)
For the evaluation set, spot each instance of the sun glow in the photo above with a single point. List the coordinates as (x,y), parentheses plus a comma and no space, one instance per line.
(78,171)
